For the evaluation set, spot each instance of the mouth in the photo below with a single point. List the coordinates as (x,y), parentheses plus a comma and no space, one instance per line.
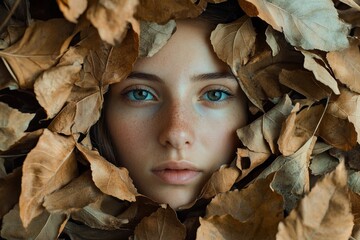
(176,172)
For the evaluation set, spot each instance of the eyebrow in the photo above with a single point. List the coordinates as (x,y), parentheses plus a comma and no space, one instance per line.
(200,77)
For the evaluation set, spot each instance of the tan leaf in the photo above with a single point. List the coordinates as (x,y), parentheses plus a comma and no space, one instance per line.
(291,178)
(35,53)
(154,36)
(303,22)
(316,64)
(10,187)
(248,160)
(304,82)
(271,40)
(111,17)
(347,106)
(234,42)
(44,226)
(257,206)
(162,11)
(79,193)
(53,87)
(72,9)
(346,65)
(13,124)
(355,206)
(325,213)
(163,224)
(48,167)
(108,178)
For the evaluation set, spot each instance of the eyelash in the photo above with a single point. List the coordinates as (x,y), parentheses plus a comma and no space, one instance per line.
(129,95)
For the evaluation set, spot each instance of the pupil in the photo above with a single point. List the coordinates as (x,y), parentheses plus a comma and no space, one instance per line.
(214,95)
(141,94)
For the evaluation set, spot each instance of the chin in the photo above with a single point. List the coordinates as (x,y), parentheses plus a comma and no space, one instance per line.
(175,199)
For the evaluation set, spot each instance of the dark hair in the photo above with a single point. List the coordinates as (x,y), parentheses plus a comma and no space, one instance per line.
(215,13)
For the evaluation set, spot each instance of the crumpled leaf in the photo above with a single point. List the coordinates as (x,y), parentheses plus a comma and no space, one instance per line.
(323,163)
(291,178)
(154,36)
(79,193)
(316,64)
(108,178)
(48,167)
(163,224)
(72,9)
(35,53)
(13,124)
(346,65)
(303,27)
(325,213)
(111,18)
(10,186)
(258,208)
(162,11)
(44,226)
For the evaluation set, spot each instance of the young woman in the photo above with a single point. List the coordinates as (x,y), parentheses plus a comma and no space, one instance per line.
(173,121)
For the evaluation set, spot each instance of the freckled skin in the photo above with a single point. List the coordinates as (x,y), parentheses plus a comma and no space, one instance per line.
(179,124)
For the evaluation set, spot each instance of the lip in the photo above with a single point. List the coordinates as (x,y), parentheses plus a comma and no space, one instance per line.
(176,172)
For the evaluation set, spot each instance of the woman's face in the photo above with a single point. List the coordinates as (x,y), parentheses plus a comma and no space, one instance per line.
(173,121)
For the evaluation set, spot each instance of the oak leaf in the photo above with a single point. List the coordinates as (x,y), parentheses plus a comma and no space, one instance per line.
(163,224)
(10,186)
(49,166)
(13,124)
(108,178)
(35,53)
(325,213)
(302,22)
(72,9)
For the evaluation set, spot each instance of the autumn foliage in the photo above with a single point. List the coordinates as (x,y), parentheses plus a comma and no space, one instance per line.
(296,177)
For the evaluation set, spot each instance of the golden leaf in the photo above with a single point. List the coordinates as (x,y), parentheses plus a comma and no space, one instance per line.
(48,167)
(325,213)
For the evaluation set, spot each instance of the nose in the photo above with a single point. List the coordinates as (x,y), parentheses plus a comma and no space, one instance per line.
(177,126)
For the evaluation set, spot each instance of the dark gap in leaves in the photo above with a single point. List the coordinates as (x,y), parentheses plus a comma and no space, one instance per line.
(245,162)
(45,9)
(22,100)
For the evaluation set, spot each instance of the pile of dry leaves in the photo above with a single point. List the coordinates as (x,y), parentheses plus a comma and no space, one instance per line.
(297,176)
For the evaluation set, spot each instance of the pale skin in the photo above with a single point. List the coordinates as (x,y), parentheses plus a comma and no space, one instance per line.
(173,121)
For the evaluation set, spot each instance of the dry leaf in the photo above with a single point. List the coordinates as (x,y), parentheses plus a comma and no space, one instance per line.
(355,206)
(13,124)
(346,65)
(248,160)
(154,36)
(354,181)
(271,40)
(48,167)
(325,213)
(6,80)
(45,226)
(291,178)
(162,11)
(352,3)
(35,53)
(302,22)
(10,186)
(351,16)
(2,168)
(79,193)
(257,207)
(108,178)
(72,9)
(162,225)
(323,163)
(111,18)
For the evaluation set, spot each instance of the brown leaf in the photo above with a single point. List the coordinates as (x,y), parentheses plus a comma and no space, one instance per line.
(352,3)
(6,80)
(291,178)
(257,207)
(304,82)
(13,124)
(303,23)
(111,18)
(108,178)
(347,106)
(44,226)
(154,36)
(325,213)
(10,186)
(351,16)
(72,9)
(53,87)
(79,193)
(2,168)
(163,224)
(346,65)
(248,160)
(271,40)
(48,167)
(35,53)
(162,11)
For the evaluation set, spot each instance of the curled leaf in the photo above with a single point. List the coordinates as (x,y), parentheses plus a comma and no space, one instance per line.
(72,9)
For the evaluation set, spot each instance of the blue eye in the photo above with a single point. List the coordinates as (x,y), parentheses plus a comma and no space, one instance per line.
(139,95)
(216,95)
